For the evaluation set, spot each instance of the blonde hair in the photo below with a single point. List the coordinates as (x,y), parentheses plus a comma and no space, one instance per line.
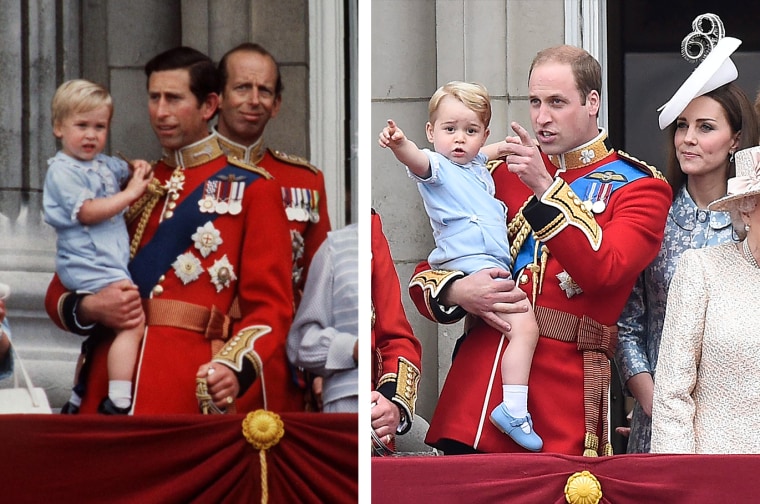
(79,96)
(474,96)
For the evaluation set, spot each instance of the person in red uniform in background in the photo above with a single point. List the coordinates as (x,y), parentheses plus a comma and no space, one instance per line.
(209,231)
(585,221)
(250,94)
(396,352)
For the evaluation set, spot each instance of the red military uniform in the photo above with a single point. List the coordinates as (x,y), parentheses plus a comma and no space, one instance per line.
(396,352)
(584,251)
(222,237)
(303,195)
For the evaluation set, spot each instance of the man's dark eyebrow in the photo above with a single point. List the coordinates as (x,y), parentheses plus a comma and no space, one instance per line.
(166,94)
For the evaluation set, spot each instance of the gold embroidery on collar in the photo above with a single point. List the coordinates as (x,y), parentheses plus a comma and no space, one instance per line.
(584,155)
(251,154)
(195,154)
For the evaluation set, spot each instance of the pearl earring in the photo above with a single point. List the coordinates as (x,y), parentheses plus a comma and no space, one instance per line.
(731,158)
(746,228)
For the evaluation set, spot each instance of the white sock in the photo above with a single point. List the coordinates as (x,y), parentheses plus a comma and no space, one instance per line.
(516,399)
(120,393)
(75,399)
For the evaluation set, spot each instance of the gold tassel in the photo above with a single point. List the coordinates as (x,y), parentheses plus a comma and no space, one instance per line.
(591,445)
(544,259)
(607,450)
(263,430)
(535,269)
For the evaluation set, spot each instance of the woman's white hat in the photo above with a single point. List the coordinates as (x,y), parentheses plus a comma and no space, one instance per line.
(745,183)
(716,68)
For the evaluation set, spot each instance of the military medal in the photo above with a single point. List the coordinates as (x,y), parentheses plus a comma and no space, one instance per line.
(314,210)
(207,239)
(598,206)
(305,204)
(175,183)
(223,194)
(301,214)
(287,200)
(173,186)
(222,207)
(208,202)
(222,273)
(567,284)
(236,197)
(187,267)
(597,196)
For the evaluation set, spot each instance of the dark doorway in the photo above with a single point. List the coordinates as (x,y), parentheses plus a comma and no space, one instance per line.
(645,67)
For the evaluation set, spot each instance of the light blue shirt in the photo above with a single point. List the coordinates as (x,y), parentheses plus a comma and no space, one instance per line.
(88,258)
(469,223)
(641,322)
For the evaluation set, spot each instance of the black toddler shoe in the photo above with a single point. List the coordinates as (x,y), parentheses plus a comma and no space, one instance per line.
(69,409)
(107,407)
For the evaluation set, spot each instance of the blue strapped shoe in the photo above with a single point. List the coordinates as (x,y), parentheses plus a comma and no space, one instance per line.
(512,427)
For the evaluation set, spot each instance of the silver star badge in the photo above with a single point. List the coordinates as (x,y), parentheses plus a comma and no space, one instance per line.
(222,273)
(187,267)
(567,284)
(207,239)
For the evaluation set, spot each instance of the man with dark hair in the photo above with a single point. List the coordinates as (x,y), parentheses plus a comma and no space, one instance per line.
(208,233)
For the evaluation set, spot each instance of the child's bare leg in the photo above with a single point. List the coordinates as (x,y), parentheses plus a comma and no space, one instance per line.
(511,416)
(122,357)
(518,357)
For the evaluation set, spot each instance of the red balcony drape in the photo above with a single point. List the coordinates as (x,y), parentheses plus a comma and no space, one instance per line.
(175,459)
(541,478)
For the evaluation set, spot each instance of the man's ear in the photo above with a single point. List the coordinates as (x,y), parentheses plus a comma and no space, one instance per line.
(592,102)
(209,106)
(276,107)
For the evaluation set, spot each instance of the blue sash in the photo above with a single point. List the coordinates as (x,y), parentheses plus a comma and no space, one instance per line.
(617,174)
(174,236)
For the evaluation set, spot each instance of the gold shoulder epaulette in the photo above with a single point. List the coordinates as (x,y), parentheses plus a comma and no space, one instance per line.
(250,167)
(294,160)
(493,164)
(654,172)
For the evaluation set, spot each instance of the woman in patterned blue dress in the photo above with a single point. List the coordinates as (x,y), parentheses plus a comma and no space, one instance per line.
(705,135)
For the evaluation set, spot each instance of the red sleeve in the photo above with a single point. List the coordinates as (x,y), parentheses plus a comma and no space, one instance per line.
(397,356)
(61,306)
(418,295)
(392,335)
(53,297)
(425,289)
